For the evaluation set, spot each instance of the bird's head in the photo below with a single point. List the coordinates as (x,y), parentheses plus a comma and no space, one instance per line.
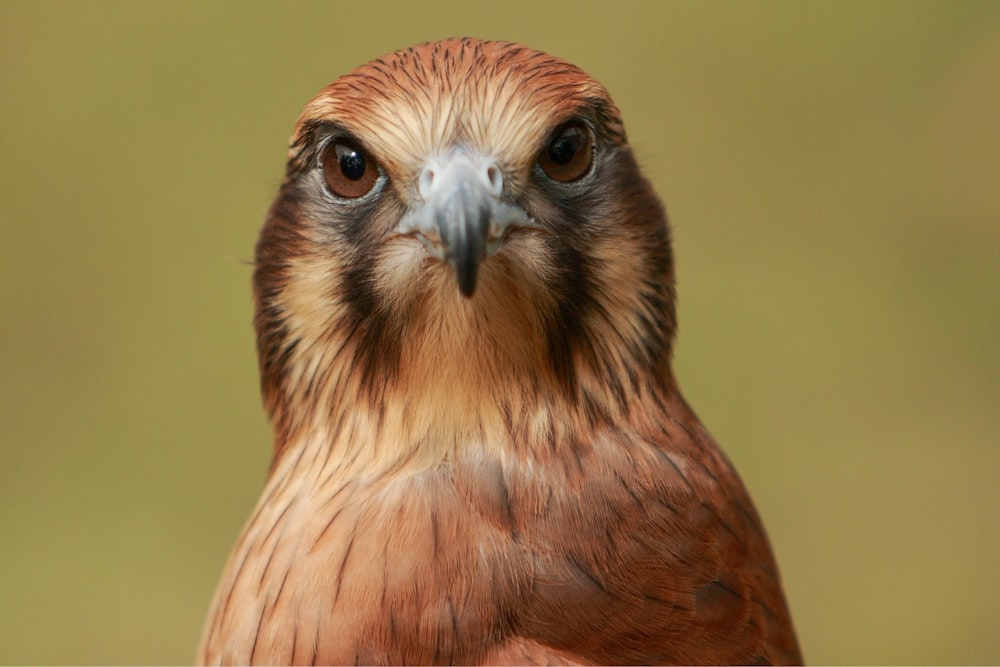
(462,218)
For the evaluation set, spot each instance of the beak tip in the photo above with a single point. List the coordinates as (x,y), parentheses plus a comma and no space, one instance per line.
(467,283)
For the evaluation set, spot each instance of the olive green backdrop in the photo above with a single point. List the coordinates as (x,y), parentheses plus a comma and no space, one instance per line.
(832,174)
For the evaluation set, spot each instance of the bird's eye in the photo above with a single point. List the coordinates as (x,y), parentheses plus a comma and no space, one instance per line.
(569,153)
(349,170)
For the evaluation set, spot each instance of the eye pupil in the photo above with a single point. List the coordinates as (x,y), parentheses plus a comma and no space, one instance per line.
(352,164)
(563,149)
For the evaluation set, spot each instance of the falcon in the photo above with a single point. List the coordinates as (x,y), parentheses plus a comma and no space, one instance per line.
(465,311)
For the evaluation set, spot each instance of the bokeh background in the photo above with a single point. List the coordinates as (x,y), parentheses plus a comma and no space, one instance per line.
(832,174)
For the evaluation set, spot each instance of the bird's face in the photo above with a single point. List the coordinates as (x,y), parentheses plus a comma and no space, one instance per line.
(456,217)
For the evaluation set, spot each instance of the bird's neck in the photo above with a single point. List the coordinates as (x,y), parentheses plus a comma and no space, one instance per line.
(469,374)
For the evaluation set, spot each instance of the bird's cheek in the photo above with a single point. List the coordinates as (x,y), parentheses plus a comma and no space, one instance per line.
(401,264)
(529,259)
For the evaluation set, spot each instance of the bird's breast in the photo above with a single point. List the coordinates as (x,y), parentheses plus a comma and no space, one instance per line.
(611,545)
(387,567)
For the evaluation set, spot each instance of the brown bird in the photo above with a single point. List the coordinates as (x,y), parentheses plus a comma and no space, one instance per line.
(465,313)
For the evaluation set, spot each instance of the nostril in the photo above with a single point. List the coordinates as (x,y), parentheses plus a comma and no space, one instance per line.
(495,179)
(426,181)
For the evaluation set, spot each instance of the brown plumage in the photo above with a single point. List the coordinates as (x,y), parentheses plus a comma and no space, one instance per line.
(465,312)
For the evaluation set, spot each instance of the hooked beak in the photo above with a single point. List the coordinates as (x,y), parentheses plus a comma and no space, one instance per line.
(462,220)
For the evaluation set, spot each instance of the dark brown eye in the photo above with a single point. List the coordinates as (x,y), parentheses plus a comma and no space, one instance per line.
(349,170)
(569,154)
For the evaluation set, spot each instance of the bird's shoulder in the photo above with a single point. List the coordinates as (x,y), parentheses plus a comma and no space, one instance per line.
(644,546)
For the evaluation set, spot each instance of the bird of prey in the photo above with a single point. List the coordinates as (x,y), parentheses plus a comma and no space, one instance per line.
(465,311)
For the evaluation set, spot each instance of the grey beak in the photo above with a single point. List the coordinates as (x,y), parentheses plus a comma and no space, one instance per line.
(462,220)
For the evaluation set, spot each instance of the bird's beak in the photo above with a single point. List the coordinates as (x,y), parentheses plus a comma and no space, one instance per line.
(462,219)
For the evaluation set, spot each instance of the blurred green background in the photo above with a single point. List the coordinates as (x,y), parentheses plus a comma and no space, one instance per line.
(832,174)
